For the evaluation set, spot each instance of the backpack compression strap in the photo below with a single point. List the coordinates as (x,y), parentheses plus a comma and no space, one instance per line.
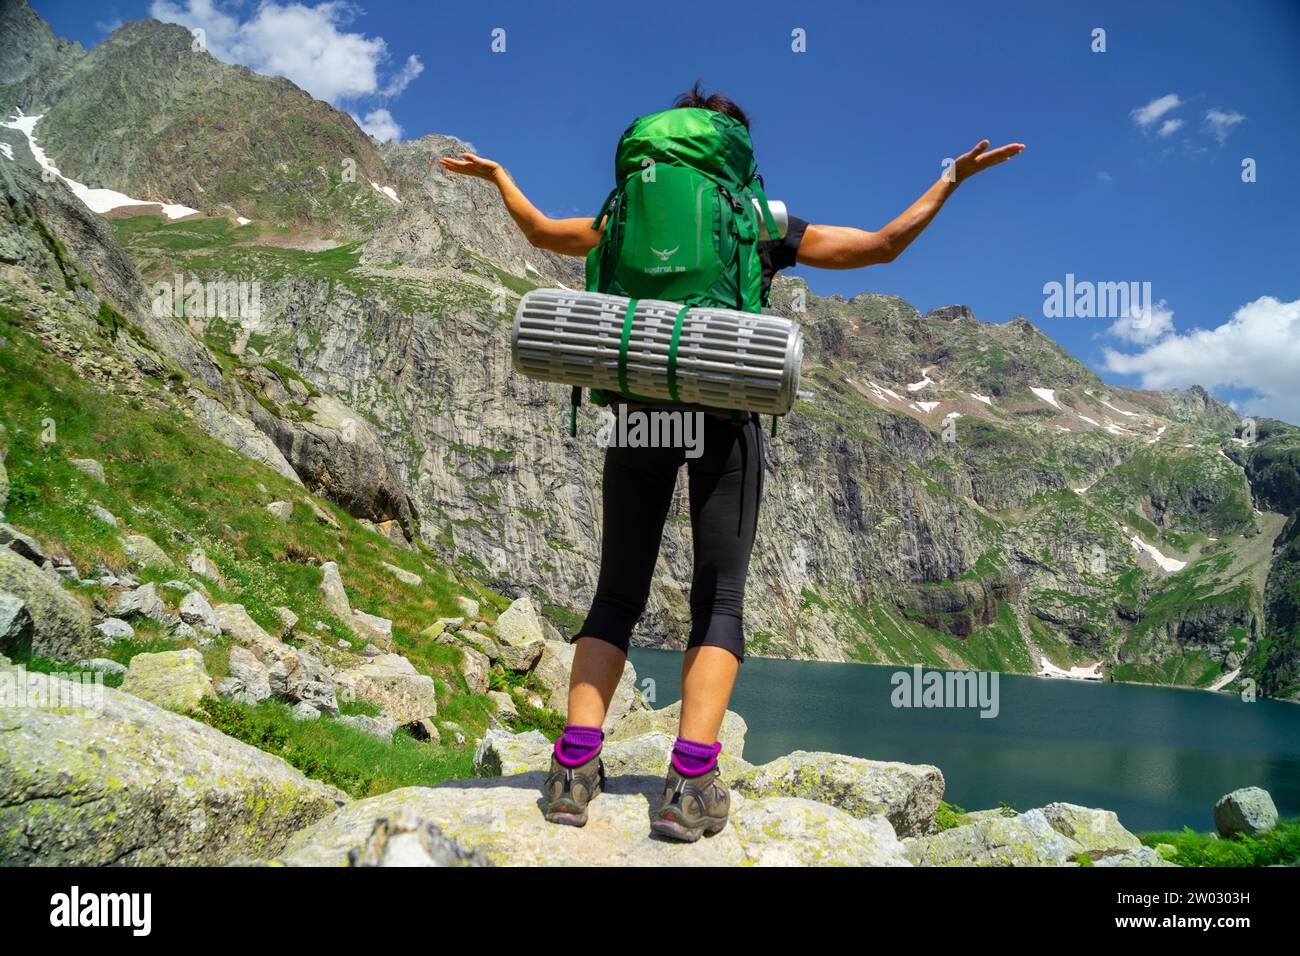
(672,352)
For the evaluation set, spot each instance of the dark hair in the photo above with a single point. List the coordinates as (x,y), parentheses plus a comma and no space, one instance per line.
(696,97)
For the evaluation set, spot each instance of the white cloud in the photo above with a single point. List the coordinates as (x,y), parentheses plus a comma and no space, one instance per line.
(1147,116)
(1148,325)
(380,124)
(1219,123)
(1169,127)
(1257,350)
(308,45)
(402,79)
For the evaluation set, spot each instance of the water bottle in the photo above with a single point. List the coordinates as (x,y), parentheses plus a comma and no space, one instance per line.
(779,216)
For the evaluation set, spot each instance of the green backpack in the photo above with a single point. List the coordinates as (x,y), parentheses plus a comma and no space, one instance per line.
(681,224)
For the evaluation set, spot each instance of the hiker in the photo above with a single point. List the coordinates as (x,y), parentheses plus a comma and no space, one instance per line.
(726,480)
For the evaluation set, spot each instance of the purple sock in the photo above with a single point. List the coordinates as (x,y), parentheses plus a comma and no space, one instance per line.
(693,759)
(578,744)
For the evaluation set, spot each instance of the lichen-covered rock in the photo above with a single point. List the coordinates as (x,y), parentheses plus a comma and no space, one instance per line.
(341,456)
(198,613)
(299,676)
(391,683)
(503,704)
(789,831)
(474,667)
(281,510)
(141,602)
(500,818)
(204,567)
(406,577)
(907,794)
(235,621)
(519,624)
(1023,840)
(102,665)
(468,605)
(1091,828)
(22,544)
(407,840)
(238,433)
(381,727)
(518,658)
(144,553)
(88,467)
(114,629)
(333,594)
(469,639)
(1137,856)
(176,680)
(552,673)
(374,629)
(249,681)
(1249,810)
(134,784)
(60,626)
(665,720)
(288,621)
(503,754)
(15,622)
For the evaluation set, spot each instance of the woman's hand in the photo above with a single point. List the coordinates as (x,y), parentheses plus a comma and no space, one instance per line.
(569,237)
(970,163)
(470,165)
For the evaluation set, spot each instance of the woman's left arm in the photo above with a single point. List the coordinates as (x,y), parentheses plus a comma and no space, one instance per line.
(844,247)
(569,237)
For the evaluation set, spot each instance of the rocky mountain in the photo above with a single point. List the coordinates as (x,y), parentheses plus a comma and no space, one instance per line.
(956,493)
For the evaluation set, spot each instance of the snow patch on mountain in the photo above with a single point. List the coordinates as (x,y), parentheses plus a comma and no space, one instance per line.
(388,191)
(97,200)
(1046,394)
(1165,563)
(925,380)
(881,392)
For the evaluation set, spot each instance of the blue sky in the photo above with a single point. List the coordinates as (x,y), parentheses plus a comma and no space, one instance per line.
(852,130)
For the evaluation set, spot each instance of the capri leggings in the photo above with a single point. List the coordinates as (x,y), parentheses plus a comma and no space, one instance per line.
(726,488)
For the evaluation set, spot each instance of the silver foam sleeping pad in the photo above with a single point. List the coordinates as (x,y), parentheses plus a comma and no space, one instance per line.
(725,358)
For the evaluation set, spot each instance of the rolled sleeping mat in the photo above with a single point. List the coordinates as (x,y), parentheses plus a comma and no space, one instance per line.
(724,358)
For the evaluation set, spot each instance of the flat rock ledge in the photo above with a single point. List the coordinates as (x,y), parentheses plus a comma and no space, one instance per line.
(501,818)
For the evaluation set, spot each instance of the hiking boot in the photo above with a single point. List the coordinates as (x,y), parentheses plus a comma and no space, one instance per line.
(568,790)
(692,806)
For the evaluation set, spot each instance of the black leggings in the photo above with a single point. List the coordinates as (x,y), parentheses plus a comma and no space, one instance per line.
(726,487)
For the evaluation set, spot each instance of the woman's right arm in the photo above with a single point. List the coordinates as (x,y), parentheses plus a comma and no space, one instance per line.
(569,237)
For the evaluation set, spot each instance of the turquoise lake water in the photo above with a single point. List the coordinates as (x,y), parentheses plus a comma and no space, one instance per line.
(1159,757)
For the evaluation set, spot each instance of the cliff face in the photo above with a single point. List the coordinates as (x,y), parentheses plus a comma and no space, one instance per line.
(955,493)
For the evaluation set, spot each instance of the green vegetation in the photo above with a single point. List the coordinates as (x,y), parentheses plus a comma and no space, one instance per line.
(167,479)
(1279,846)
(336,753)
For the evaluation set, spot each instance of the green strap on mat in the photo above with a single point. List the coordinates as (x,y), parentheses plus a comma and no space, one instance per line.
(622,345)
(672,353)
